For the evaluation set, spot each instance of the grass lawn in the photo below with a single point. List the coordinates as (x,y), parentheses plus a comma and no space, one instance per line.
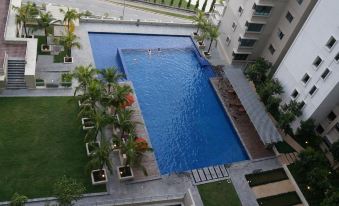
(266,177)
(219,194)
(40,141)
(42,40)
(60,57)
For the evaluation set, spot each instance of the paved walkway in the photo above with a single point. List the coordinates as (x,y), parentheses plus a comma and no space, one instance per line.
(238,171)
(273,188)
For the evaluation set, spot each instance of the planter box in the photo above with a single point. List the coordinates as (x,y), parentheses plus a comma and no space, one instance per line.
(99,177)
(90,147)
(125,173)
(68,60)
(39,83)
(52,85)
(46,48)
(122,158)
(201,45)
(87,123)
(66,84)
(195,34)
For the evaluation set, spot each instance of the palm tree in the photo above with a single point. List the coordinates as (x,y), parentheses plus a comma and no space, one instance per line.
(118,98)
(101,157)
(133,152)
(200,20)
(84,75)
(180,2)
(45,21)
(69,41)
(213,33)
(100,120)
(124,122)
(111,76)
(70,16)
(189,4)
(25,13)
(172,2)
(197,5)
(93,94)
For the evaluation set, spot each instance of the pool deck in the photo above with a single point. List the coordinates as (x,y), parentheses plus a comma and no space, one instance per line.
(240,120)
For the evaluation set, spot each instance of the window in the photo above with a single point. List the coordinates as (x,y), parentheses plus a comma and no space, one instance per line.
(262,10)
(313,90)
(280,34)
(325,73)
(300,2)
(294,94)
(319,129)
(317,61)
(330,42)
(336,57)
(228,41)
(240,56)
(301,105)
(289,17)
(305,78)
(271,49)
(240,10)
(234,26)
(247,42)
(253,27)
(331,116)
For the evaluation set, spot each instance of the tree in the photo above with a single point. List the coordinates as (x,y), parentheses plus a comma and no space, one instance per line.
(172,2)
(111,76)
(68,190)
(272,106)
(284,121)
(305,133)
(309,159)
(269,88)
(25,13)
(212,33)
(189,4)
(70,16)
(180,3)
(331,199)
(118,98)
(204,5)
(94,93)
(212,5)
(163,1)
(200,20)
(335,150)
(69,41)
(318,180)
(197,5)
(84,75)
(18,200)
(257,71)
(293,107)
(100,120)
(45,21)
(100,157)
(124,122)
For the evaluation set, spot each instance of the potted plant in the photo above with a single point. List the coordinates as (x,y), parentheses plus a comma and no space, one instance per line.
(68,41)
(200,20)
(66,80)
(87,123)
(200,40)
(40,83)
(213,34)
(91,147)
(99,159)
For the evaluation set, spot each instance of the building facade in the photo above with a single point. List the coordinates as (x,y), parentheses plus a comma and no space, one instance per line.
(253,28)
(309,72)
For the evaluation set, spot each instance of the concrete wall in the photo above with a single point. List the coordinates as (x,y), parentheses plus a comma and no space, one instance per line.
(310,43)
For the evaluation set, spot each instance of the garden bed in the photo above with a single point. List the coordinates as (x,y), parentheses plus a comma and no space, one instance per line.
(286,199)
(283,147)
(219,194)
(40,142)
(266,177)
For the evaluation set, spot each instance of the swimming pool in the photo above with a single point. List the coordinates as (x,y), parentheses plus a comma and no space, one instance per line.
(186,123)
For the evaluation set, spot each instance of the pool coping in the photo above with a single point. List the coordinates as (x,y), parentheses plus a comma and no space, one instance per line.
(229,117)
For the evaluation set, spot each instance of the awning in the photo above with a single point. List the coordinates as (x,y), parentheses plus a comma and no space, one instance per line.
(254,107)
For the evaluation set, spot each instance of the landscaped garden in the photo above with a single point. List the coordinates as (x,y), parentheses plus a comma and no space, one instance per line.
(219,194)
(41,140)
(266,177)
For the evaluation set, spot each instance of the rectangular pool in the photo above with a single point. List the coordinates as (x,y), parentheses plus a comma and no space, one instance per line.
(187,125)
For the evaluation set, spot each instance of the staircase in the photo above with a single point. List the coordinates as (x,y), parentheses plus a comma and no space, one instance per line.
(16,74)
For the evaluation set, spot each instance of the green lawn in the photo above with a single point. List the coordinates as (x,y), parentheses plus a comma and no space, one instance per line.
(286,199)
(60,57)
(42,40)
(40,141)
(219,194)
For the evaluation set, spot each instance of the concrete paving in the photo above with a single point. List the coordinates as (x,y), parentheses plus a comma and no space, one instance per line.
(102,7)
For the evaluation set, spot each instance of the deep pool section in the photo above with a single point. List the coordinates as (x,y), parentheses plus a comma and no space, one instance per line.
(186,123)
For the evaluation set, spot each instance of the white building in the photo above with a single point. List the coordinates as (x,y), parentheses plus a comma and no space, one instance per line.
(309,72)
(253,28)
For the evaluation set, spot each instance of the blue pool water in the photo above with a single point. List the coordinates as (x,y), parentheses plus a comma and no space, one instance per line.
(184,118)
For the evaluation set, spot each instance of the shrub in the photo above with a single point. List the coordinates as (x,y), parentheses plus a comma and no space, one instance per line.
(305,133)
(309,159)
(18,200)
(318,180)
(335,150)
(268,89)
(257,71)
(66,79)
(332,199)
(67,190)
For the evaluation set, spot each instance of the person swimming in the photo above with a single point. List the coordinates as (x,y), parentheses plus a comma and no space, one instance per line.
(149,51)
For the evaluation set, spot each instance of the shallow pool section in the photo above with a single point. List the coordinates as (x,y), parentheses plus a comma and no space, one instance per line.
(186,123)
